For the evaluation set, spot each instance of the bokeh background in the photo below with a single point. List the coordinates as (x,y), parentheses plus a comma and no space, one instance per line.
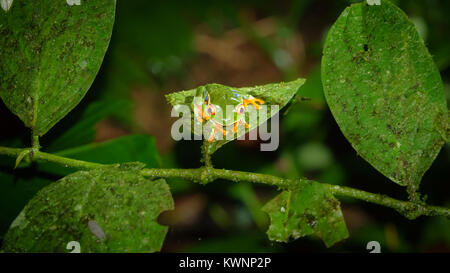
(159,47)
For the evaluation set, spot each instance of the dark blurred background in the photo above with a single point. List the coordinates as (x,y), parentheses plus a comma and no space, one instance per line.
(159,47)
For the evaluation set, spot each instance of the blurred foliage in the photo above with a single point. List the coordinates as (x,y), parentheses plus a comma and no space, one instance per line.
(164,46)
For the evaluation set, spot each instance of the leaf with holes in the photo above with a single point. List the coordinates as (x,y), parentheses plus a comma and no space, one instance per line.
(310,210)
(50,54)
(105,210)
(384,91)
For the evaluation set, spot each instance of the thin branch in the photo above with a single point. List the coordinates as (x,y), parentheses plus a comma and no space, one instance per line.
(207,174)
(41,156)
(206,155)
(35,141)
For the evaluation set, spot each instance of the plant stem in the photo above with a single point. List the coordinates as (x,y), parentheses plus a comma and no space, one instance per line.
(410,210)
(64,161)
(35,141)
(206,159)
(207,174)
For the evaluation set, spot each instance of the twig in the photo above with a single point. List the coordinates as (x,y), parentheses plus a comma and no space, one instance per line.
(208,174)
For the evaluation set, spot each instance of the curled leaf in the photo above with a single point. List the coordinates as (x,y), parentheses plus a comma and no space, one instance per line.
(21,156)
(275,94)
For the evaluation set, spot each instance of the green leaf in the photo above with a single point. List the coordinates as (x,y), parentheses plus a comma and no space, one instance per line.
(19,186)
(384,91)
(105,210)
(137,147)
(310,210)
(273,94)
(50,54)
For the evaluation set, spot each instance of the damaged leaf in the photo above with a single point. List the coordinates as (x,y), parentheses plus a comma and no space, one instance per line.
(105,210)
(309,210)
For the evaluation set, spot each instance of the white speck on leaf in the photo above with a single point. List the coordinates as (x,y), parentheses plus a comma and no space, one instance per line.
(96,229)
(373,2)
(296,234)
(6,4)
(73,2)
(83,64)
(282,209)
